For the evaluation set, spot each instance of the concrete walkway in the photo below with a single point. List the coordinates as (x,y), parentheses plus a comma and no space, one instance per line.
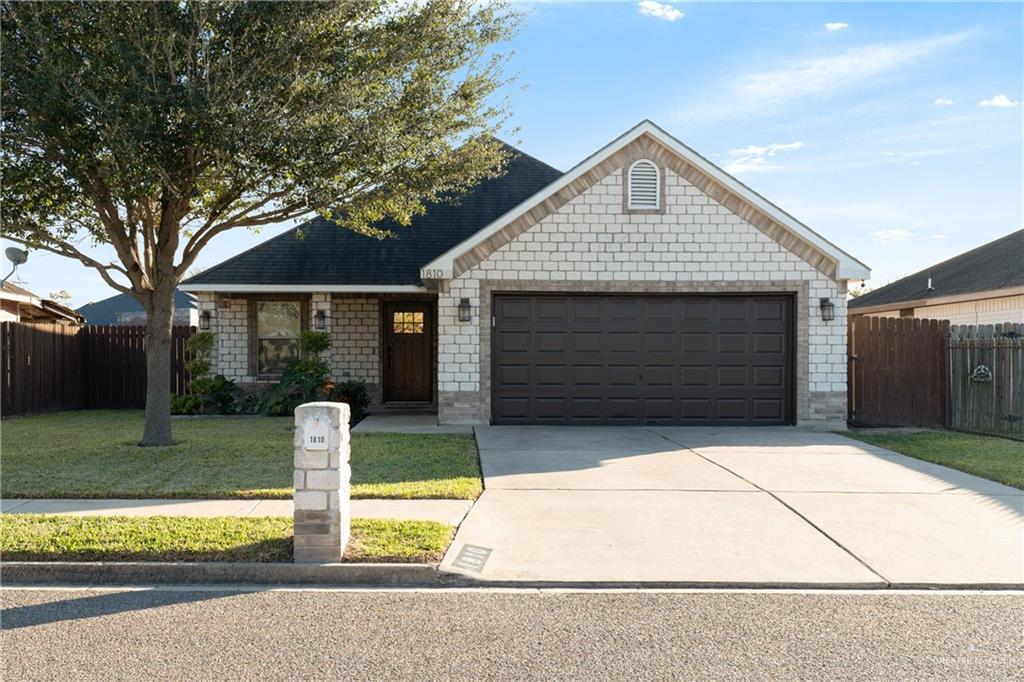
(752,505)
(444,511)
(385,422)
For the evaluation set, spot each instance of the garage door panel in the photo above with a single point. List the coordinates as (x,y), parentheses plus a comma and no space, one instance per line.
(550,375)
(769,343)
(765,310)
(732,375)
(514,342)
(551,309)
(592,359)
(732,342)
(696,342)
(695,376)
(513,375)
(514,308)
(769,376)
(623,342)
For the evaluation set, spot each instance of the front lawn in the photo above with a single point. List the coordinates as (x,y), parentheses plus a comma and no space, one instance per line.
(40,537)
(996,459)
(93,454)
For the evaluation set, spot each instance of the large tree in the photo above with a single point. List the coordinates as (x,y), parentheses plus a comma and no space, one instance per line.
(155,127)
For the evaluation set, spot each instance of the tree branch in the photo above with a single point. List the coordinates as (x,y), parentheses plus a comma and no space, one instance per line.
(62,248)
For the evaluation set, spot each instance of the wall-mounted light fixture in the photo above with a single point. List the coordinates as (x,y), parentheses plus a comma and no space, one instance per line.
(320,320)
(828,310)
(465,311)
(204,320)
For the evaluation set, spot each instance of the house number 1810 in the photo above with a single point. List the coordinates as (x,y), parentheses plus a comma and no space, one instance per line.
(315,434)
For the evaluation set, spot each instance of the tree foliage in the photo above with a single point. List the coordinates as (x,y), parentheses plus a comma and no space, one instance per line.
(156,126)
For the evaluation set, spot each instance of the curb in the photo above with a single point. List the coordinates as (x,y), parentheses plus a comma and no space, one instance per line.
(147,573)
(220,573)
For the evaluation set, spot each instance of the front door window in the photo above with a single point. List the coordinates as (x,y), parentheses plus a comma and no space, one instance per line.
(407,322)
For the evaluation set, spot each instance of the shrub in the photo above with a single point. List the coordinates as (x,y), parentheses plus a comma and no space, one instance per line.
(355,394)
(186,404)
(302,381)
(206,394)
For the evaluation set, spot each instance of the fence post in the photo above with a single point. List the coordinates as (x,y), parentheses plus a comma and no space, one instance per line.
(322,512)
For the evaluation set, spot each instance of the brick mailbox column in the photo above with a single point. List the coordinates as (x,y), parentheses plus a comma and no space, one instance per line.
(321,501)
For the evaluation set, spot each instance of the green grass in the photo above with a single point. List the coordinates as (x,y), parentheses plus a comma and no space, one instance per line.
(93,454)
(41,537)
(996,459)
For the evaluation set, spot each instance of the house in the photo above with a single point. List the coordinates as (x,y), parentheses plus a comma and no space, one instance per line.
(982,286)
(643,286)
(21,305)
(125,310)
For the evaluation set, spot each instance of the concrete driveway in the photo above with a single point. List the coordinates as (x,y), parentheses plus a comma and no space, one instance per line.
(758,506)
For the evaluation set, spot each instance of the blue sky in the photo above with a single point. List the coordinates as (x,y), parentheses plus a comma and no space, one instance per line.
(894,130)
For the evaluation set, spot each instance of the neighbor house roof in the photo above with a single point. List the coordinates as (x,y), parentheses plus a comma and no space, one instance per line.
(36,309)
(328,257)
(995,268)
(106,311)
(845,265)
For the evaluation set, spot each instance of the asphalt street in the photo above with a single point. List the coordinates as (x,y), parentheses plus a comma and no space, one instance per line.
(528,634)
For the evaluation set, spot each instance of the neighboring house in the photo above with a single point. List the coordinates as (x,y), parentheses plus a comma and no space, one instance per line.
(125,310)
(21,305)
(983,286)
(644,286)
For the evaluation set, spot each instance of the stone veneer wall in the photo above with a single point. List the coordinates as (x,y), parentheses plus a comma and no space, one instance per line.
(695,245)
(355,341)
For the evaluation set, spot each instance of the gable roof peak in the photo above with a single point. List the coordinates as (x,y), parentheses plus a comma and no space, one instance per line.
(845,266)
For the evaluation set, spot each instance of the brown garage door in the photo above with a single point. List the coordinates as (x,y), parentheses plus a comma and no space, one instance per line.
(619,359)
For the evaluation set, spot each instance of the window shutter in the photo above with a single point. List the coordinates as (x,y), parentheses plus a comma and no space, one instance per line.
(644,185)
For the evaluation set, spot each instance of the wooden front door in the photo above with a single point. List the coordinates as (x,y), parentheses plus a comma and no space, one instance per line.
(408,352)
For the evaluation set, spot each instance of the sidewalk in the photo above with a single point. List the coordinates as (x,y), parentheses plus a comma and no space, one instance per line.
(444,511)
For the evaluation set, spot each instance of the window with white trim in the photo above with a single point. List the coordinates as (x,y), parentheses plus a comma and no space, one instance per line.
(644,185)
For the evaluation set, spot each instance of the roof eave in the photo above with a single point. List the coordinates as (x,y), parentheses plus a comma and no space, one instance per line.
(304,288)
(937,300)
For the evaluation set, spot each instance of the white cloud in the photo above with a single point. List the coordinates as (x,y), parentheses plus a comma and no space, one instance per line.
(835,26)
(943,102)
(997,101)
(756,157)
(896,235)
(937,236)
(823,75)
(659,10)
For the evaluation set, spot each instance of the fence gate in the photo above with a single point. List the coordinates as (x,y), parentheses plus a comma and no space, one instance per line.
(986,379)
(898,371)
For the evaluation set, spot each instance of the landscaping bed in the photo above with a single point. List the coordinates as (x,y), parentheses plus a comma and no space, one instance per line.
(996,459)
(94,454)
(41,537)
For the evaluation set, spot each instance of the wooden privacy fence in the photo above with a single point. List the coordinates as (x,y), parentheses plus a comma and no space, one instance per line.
(986,379)
(898,369)
(51,367)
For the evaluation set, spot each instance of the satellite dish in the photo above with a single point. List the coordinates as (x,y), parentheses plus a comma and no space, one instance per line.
(16,255)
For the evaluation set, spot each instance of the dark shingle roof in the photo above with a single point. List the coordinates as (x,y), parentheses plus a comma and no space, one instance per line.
(996,265)
(328,254)
(105,311)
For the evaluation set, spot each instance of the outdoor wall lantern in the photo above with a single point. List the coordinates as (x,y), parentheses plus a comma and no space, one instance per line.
(465,312)
(320,320)
(204,320)
(828,310)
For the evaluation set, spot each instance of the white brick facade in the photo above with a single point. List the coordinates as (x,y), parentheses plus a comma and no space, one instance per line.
(590,243)
(355,341)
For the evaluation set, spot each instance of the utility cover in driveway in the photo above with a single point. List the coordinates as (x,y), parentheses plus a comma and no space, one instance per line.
(659,359)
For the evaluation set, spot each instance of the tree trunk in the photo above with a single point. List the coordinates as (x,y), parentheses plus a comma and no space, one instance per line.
(159,320)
